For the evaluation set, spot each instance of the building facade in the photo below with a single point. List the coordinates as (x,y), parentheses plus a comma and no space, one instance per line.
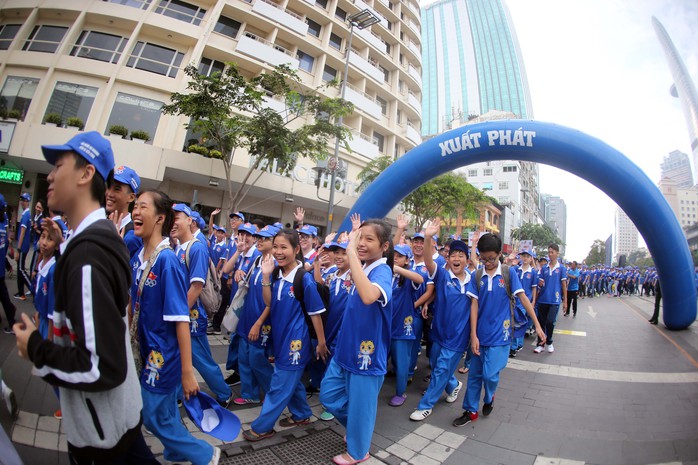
(554,212)
(116,62)
(677,166)
(625,235)
(683,202)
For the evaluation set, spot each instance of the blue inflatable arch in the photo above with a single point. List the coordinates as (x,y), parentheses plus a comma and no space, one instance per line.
(569,150)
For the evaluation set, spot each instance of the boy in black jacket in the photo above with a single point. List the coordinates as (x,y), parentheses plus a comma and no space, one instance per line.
(90,358)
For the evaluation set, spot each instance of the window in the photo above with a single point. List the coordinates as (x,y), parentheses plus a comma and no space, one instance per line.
(329,74)
(208,66)
(379,140)
(17,93)
(314,28)
(142,4)
(510,169)
(135,113)
(386,73)
(7,33)
(155,59)
(182,11)
(487,172)
(383,104)
(335,41)
(399,116)
(45,38)
(487,186)
(306,61)
(99,46)
(504,185)
(472,173)
(69,100)
(322,3)
(227,26)
(341,14)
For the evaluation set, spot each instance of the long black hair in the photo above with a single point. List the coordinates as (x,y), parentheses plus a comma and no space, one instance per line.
(383,231)
(163,206)
(291,235)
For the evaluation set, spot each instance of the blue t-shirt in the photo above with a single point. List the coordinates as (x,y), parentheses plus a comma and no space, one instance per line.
(244,262)
(195,272)
(4,244)
(572,280)
(494,326)
(340,286)
(291,340)
(551,291)
(44,295)
(162,304)
(364,336)
(252,309)
(529,281)
(25,223)
(218,251)
(451,324)
(402,304)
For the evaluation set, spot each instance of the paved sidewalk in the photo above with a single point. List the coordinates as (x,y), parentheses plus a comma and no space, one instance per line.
(617,390)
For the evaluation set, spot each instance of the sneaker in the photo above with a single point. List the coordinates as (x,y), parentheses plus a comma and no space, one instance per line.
(397,401)
(538,349)
(241,401)
(464,419)
(216,456)
(487,408)
(58,414)
(27,292)
(233,380)
(551,349)
(211,331)
(512,353)
(454,394)
(8,330)
(19,296)
(10,400)
(419,415)
(225,403)
(326,416)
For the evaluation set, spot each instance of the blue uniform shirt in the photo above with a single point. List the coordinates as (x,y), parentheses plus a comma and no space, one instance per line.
(291,340)
(340,286)
(4,244)
(44,295)
(195,272)
(451,324)
(364,336)
(402,305)
(551,291)
(573,280)
(494,327)
(162,304)
(529,281)
(244,262)
(252,309)
(25,223)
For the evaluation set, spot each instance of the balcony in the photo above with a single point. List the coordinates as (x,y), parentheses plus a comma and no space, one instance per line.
(363,145)
(415,48)
(362,6)
(414,102)
(414,26)
(276,105)
(363,65)
(370,37)
(363,102)
(416,75)
(261,49)
(412,134)
(271,10)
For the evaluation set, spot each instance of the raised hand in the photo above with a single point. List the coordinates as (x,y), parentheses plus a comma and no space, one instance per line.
(215,212)
(267,265)
(402,222)
(433,228)
(54,231)
(299,214)
(355,221)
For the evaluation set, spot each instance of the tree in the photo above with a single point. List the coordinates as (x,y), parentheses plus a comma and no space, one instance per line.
(541,235)
(597,253)
(636,255)
(230,112)
(439,196)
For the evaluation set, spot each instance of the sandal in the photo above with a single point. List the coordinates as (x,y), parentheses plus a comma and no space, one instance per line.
(346,459)
(463,370)
(289,421)
(251,436)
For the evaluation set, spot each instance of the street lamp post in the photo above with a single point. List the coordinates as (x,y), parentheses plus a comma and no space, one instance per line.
(361,20)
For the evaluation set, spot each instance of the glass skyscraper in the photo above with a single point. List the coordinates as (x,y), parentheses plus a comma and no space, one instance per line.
(471,64)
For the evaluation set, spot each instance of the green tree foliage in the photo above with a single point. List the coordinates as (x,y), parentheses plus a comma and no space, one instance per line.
(540,234)
(439,196)
(597,253)
(229,110)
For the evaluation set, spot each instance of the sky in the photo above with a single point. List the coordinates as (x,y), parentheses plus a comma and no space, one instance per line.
(597,66)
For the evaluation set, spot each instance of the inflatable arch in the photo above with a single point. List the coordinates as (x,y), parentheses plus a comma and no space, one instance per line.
(569,150)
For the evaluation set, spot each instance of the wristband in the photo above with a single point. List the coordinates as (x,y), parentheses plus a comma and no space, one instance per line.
(266,284)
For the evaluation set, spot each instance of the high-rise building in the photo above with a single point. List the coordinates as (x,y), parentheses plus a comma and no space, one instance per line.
(684,202)
(554,211)
(677,166)
(118,61)
(625,235)
(472,64)
(683,88)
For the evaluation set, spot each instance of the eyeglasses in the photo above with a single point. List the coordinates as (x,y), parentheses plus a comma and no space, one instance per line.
(489,260)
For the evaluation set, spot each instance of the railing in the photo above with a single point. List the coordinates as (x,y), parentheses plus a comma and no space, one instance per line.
(82,51)
(138,59)
(141,4)
(279,7)
(355,89)
(268,43)
(181,15)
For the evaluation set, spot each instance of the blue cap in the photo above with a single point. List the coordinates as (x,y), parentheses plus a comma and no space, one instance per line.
(419,235)
(219,228)
(403,249)
(181,207)
(211,418)
(455,237)
(26,197)
(544,257)
(3,203)
(267,231)
(339,245)
(458,245)
(238,214)
(92,146)
(126,175)
(248,228)
(308,229)
(531,252)
(279,225)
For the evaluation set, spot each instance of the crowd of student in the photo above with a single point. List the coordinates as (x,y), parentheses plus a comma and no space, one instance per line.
(349,309)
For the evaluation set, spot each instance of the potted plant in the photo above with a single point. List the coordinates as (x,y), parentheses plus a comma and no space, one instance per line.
(75,122)
(53,119)
(200,149)
(118,131)
(215,154)
(3,113)
(140,136)
(14,115)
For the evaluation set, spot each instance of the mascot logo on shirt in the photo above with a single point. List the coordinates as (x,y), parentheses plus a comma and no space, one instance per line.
(194,319)
(506,325)
(155,362)
(366,348)
(152,279)
(408,325)
(264,337)
(295,353)
(44,288)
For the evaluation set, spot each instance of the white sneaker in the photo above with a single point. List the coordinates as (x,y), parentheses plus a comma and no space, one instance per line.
(538,349)
(551,349)
(216,456)
(454,395)
(419,415)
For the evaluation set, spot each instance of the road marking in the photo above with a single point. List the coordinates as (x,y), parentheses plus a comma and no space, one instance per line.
(569,332)
(603,375)
(591,312)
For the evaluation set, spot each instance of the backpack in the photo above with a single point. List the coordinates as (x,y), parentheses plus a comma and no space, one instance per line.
(507,287)
(299,292)
(211,294)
